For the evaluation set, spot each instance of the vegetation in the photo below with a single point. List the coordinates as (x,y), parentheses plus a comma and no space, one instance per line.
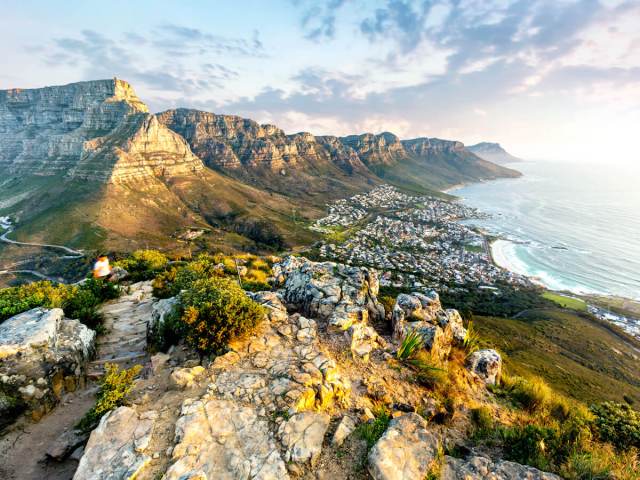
(411,343)
(114,387)
(143,264)
(80,302)
(566,302)
(507,301)
(618,424)
(597,364)
(471,339)
(372,430)
(215,311)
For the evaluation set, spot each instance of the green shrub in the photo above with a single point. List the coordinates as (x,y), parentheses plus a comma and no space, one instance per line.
(411,343)
(388,302)
(143,264)
(617,423)
(372,430)
(217,310)
(174,280)
(15,300)
(114,387)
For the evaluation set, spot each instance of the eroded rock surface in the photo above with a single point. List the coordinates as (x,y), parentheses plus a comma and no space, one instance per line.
(117,448)
(482,467)
(302,436)
(220,439)
(342,296)
(42,354)
(407,450)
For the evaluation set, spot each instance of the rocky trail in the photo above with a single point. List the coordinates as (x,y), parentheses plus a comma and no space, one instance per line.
(282,403)
(125,322)
(25,449)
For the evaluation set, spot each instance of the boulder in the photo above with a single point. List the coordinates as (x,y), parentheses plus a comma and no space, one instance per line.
(416,307)
(159,312)
(486,365)
(222,439)
(66,444)
(117,448)
(318,289)
(341,296)
(118,274)
(451,318)
(346,426)
(182,378)
(42,353)
(482,467)
(407,450)
(302,436)
(276,311)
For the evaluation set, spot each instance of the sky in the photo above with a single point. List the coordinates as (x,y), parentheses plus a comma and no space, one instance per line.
(557,80)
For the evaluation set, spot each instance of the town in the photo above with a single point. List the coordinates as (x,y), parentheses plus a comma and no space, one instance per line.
(415,241)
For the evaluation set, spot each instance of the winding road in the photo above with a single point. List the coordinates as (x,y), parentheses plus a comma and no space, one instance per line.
(71,254)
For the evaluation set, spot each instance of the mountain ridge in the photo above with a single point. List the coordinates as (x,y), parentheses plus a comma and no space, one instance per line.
(493,152)
(92,155)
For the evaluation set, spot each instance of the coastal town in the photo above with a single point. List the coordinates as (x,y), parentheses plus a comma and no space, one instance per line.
(415,241)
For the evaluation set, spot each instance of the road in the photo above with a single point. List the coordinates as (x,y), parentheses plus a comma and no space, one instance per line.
(74,253)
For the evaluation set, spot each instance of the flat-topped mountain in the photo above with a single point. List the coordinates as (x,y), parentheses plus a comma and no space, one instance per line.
(92,157)
(493,152)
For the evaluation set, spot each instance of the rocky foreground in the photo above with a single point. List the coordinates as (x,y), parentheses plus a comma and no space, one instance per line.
(287,401)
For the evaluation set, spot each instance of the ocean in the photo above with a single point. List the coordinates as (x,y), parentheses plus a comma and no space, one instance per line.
(568,226)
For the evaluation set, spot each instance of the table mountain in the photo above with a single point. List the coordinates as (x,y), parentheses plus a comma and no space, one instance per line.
(86,164)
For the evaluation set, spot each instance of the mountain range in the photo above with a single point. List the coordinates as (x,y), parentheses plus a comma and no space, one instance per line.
(87,164)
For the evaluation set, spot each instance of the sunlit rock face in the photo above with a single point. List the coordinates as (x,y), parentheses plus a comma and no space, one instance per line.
(232,142)
(93,130)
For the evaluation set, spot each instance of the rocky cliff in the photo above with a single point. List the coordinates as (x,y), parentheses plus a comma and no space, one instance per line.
(89,130)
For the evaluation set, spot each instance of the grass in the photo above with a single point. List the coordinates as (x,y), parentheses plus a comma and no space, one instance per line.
(565,301)
(371,431)
(571,351)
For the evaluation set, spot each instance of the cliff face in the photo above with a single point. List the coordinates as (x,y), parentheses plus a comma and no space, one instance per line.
(97,130)
(231,142)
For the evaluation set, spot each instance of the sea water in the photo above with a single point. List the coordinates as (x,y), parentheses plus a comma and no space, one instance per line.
(567,225)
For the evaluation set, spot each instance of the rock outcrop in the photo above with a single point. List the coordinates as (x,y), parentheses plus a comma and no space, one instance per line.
(482,467)
(342,296)
(424,313)
(42,355)
(406,450)
(221,439)
(117,448)
(493,152)
(486,365)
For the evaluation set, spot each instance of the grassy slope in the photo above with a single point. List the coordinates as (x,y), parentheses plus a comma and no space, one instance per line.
(566,301)
(576,354)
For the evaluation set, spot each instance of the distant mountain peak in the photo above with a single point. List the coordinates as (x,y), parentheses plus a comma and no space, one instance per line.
(493,152)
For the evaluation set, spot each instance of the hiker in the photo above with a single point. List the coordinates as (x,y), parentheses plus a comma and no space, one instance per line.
(102,269)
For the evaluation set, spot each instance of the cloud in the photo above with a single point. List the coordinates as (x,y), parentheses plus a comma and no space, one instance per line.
(319,18)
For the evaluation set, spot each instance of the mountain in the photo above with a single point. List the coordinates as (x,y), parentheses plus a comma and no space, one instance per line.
(493,152)
(87,164)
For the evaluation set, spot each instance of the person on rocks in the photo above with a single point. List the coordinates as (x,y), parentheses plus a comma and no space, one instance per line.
(102,269)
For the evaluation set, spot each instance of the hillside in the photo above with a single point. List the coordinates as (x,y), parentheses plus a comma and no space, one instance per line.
(493,152)
(87,165)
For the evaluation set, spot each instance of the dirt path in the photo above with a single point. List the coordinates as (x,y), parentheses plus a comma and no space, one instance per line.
(23,448)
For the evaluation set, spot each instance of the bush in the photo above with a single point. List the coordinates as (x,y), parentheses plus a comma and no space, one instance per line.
(217,310)
(114,387)
(172,281)
(143,264)
(79,302)
(618,424)
(15,300)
